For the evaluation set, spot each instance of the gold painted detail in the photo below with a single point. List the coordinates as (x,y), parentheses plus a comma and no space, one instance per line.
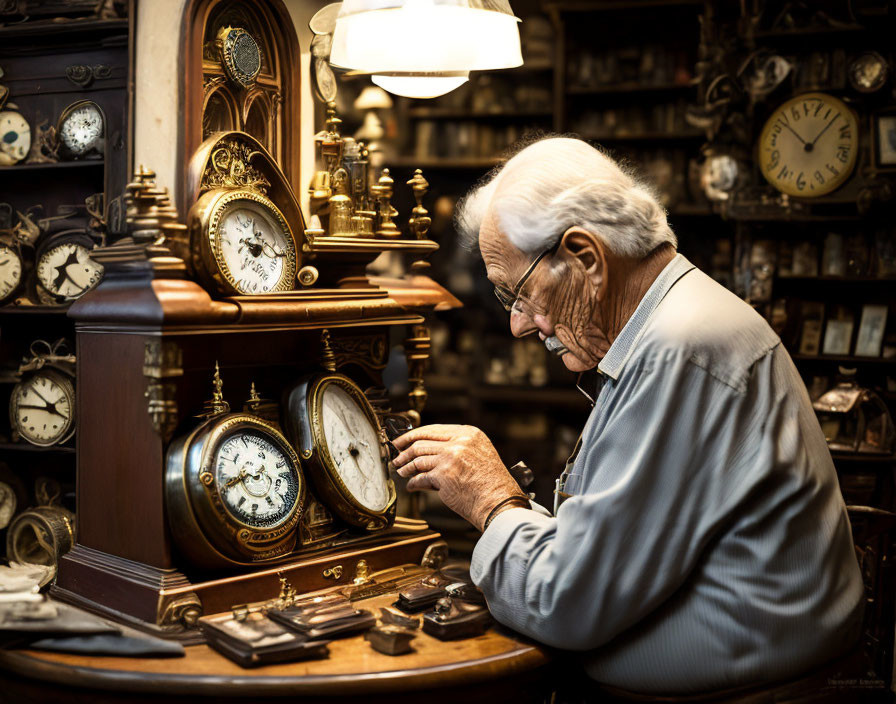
(334,573)
(362,572)
(161,361)
(182,612)
(416,349)
(435,555)
(369,351)
(230,166)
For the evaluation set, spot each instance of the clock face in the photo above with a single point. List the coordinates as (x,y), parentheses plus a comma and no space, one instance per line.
(808,146)
(66,271)
(258,483)
(868,72)
(353,444)
(82,130)
(254,248)
(42,408)
(15,137)
(10,271)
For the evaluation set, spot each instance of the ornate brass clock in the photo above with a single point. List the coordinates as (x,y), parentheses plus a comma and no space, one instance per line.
(234,487)
(240,55)
(808,146)
(240,241)
(337,432)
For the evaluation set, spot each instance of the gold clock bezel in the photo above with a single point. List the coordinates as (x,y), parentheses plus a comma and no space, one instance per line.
(206,218)
(837,180)
(206,530)
(337,495)
(68,385)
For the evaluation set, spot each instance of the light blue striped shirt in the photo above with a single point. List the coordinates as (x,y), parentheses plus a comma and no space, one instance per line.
(706,544)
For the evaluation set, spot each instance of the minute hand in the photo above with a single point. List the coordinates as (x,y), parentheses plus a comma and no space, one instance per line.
(824,129)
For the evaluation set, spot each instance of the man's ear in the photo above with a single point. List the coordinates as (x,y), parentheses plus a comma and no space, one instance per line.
(589,251)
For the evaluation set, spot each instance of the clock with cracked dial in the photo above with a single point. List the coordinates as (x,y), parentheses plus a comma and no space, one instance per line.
(42,408)
(257,481)
(15,137)
(10,272)
(65,270)
(81,129)
(808,146)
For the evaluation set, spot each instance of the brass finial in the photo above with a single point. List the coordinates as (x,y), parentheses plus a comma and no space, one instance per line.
(383,191)
(254,399)
(327,357)
(419,221)
(217,404)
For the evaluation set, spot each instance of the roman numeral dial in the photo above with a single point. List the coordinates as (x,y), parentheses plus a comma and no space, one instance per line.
(808,145)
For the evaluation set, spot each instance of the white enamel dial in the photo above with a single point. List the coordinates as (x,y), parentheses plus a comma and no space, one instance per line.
(43,408)
(354,445)
(15,137)
(7,504)
(82,130)
(257,481)
(254,247)
(67,271)
(10,271)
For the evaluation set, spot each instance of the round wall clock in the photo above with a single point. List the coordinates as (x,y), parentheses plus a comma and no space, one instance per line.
(332,423)
(245,245)
(235,489)
(81,130)
(42,407)
(808,146)
(65,270)
(240,55)
(15,137)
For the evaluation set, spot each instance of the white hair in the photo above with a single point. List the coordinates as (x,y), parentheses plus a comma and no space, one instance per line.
(560,182)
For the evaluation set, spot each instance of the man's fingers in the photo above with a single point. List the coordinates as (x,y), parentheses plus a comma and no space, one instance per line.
(428,481)
(418,449)
(425,463)
(426,432)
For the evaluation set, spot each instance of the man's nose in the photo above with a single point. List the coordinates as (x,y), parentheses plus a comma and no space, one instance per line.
(521,324)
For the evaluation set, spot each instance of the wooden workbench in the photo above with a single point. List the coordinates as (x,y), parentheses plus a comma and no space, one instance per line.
(493,667)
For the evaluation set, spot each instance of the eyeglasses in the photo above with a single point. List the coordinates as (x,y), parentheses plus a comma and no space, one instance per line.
(508,297)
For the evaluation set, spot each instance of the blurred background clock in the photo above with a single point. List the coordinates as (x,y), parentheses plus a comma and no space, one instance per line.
(15,137)
(81,130)
(808,146)
(331,421)
(11,271)
(42,404)
(65,270)
(868,72)
(235,488)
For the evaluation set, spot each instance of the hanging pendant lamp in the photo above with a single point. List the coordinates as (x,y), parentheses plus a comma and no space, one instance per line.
(425,48)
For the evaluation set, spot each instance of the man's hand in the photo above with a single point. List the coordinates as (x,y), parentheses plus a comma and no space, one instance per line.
(459,462)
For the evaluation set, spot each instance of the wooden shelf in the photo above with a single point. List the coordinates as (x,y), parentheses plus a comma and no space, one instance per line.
(508,393)
(462,163)
(839,280)
(32,168)
(862,458)
(691,210)
(452,114)
(56,28)
(647,137)
(628,88)
(28,447)
(60,311)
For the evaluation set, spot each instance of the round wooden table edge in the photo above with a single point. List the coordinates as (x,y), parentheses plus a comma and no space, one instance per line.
(525,659)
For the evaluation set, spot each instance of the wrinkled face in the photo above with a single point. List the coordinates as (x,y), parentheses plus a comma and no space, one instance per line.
(558,300)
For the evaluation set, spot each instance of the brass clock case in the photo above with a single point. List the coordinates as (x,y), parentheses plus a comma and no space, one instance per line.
(808,146)
(205,530)
(63,380)
(304,427)
(206,251)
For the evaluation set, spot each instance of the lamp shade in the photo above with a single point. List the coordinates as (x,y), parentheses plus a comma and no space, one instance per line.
(421,86)
(410,37)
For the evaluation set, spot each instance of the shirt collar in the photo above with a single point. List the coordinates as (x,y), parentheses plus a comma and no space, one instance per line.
(621,349)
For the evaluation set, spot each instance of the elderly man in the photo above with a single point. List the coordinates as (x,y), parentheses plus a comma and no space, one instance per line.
(701,542)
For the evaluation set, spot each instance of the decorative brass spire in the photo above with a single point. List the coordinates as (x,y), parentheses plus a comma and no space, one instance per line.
(217,405)
(327,356)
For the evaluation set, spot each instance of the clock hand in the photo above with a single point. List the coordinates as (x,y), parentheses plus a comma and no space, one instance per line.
(39,394)
(795,133)
(49,408)
(62,270)
(823,129)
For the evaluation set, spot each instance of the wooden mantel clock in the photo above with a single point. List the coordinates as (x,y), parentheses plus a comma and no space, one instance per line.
(228,424)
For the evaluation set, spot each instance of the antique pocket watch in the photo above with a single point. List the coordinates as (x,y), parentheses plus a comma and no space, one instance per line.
(331,422)
(81,130)
(42,404)
(235,488)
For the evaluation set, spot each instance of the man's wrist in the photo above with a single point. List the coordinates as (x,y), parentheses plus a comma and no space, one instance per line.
(512,501)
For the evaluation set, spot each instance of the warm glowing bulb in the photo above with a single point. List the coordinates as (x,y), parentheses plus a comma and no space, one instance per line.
(420,86)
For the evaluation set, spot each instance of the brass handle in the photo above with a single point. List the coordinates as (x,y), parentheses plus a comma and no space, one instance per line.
(333,572)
